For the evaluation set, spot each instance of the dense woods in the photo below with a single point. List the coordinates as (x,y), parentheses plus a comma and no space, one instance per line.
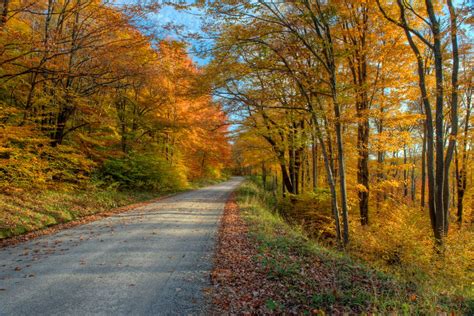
(79,78)
(87,98)
(357,115)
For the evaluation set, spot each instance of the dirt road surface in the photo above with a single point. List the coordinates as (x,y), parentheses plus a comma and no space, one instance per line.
(154,260)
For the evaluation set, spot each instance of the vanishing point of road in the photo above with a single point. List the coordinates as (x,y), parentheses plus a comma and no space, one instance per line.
(153,260)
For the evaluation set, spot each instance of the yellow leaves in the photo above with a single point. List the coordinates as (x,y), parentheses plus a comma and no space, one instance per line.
(387,185)
(169,102)
(18,134)
(27,160)
(399,240)
(361,188)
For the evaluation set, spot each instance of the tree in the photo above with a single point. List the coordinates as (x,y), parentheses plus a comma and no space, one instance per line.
(438,165)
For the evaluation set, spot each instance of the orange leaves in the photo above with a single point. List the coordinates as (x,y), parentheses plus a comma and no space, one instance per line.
(168,102)
(80,74)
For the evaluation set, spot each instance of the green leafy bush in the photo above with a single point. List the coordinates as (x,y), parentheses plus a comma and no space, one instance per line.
(144,172)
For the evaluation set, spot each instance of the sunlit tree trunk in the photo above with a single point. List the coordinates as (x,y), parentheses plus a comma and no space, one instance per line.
(453,109)
(330,177)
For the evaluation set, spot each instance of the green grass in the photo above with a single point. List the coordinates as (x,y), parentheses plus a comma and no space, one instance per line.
(24,211)
(198,183)
(325,279)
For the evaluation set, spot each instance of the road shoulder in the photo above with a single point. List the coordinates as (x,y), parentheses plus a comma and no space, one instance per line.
(14,240)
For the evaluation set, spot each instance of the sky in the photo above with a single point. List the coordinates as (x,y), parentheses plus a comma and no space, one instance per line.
(188,20)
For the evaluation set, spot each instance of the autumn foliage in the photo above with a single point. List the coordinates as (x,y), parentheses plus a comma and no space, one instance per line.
(357,115)
(95,115)
(84,94)
(354,115)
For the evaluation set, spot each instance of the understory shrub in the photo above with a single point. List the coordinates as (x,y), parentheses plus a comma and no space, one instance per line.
(398,241)
(311,210)
(144,172)
(28,161)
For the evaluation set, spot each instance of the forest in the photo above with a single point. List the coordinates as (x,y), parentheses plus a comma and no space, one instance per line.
(357,116)
(351,118)
(90,104)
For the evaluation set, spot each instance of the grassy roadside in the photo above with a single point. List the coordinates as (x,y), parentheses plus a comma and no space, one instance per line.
(23,211)
(322,280)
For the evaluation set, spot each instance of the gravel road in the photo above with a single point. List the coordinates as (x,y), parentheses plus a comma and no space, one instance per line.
(154,260)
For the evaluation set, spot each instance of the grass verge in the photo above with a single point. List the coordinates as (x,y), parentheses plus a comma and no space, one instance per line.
(315,279)
(23,211)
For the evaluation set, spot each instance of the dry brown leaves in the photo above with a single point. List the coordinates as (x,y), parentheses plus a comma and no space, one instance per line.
(234,275)
(240,285)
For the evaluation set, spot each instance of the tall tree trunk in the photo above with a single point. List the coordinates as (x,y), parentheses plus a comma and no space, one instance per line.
(303,173)
(341,161)
(413,181)
(288,185)
(423,168)
(283,185)
(314,151)
(64,114)
(67,107)
(355,37)
(308,164)
(453,188)
(461,186)
(380,157)
(461,168)
(330,178)
(434,192)
(454,112)
(405,172)
(292,154)
(363,170)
